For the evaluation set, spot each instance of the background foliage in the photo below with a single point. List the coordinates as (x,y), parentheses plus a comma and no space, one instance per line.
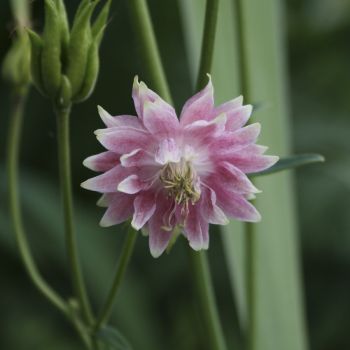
(155,308)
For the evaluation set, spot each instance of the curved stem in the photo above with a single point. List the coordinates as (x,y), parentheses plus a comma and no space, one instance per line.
(124,259)
(144,29)
(14,139)
(208,41)
(207,299)
(67,200)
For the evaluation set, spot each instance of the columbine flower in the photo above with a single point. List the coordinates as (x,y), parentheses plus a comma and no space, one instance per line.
(177,175)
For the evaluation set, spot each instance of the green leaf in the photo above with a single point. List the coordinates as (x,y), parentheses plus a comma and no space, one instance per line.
(280,317)
(110,338)
(291,162)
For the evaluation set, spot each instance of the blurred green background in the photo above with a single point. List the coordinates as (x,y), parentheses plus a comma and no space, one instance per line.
(156,308)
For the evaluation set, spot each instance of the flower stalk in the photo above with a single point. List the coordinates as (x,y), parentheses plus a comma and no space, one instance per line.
(124,259)
(62,115)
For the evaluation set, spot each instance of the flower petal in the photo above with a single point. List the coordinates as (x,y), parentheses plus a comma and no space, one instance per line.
(232,141)
(119,120)
(236,206)
(145,207)
(210,210)
(230,177)
(142,94)
(167,151)
(102,162)
(120,208)
(124,140)
(132,184)
(138,158)
(159,120)
(199,106)
(193,228)
(108,181)
(159,237)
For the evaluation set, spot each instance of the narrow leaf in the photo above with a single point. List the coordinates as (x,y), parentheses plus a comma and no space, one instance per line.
(110,338)
(291,162)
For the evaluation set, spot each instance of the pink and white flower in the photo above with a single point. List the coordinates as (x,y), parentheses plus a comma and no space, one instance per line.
(171,174)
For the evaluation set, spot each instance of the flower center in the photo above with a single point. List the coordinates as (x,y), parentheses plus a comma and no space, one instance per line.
(179,180)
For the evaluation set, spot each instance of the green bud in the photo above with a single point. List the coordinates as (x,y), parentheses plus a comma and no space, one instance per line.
(51,53)
(101,22)
(91,74)
(16,64)
(36,44)
(65,94)
(64,28)
(79,45)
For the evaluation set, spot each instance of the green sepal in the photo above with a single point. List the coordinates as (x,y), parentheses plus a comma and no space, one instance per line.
(80,41)
(51,52)
(101,22)
(91,73)
(36,44)
(64,27)
(65,95)
(291,162)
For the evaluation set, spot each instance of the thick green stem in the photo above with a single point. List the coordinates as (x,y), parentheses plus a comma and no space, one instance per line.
(206,296)
(250,234)
(67,200)
(14,140)
(124,259)
(208,41)
(144,30)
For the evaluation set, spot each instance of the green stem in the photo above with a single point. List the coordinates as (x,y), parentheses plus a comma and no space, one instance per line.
(249,228)
(14,140)
(250,270)
(144,29)
(208,41)
(67,200)
(205,292)
(124,259)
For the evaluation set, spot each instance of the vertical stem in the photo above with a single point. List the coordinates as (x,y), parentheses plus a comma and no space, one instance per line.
(67,201)
(208,41)
(144,29)
(124,259)
(207,299)
(14,139)
(250,234)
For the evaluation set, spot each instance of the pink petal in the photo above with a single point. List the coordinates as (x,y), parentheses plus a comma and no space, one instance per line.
(159,120)
(142,94)
(199,106)
(119,120)
(193,229)
(120,208)
(210,210)
(108,181)
(236,206)
(131,185)
(124,140)
(230,177)
(238,117)
(167,151)
(138,158)
(145,207)
(203,129)
(103,161)
(238,139)
(159,237)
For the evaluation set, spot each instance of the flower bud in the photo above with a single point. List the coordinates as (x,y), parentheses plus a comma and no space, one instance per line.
(80,41)
(35,60)
(65,94)
(51,53)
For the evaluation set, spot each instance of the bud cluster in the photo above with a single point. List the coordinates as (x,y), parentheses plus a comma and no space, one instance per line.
(65,61)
